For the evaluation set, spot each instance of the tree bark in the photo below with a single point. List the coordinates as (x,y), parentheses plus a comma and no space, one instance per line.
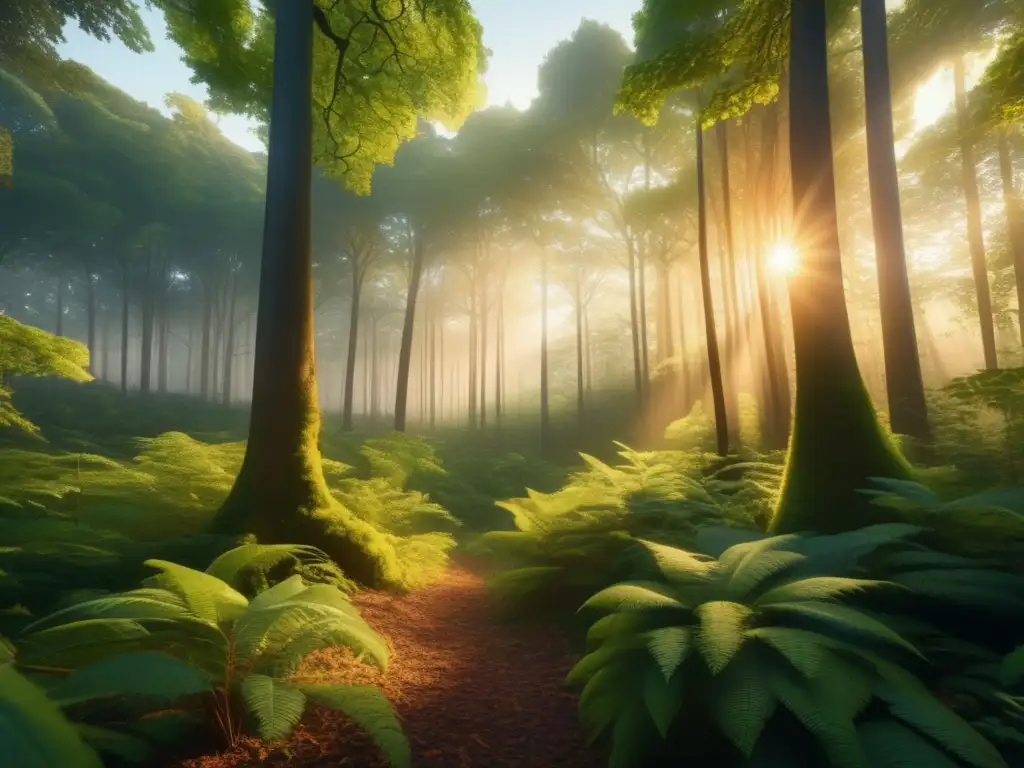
(483,344)
(732,335)
(975,235)
(714,358)
(204,351)
(146,348)
(578,300)
(280,493)
(405,351)
(353,342)
(90,318)
(908,411)
(545,417)
(229,341)
(125,312)
(1014,224)
(105,344)
(634,322)
(163,332)
(837,443)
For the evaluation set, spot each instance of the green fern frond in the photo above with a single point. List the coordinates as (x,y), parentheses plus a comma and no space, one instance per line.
(234,563)
(801,648)
(817,588)
(276,705)
(663,698)
(369,709)
(889,744)
(679,566)
(1011,670)
(81,642)
(148,674)
(841,621)
(207,597)
(720,632)
(743,702)
(636,596)
(670,647)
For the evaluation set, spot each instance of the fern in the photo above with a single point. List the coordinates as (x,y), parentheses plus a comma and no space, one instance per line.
(755,631)
(187,633)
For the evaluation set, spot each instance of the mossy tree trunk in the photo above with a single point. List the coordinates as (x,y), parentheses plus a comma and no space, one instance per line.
(908,411)
(280,493)
(1014,222)
(837,442)
(733,336)
(408,326)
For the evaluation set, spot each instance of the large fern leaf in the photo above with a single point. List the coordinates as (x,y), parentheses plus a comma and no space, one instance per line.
(720,632)
(248,558)
(743,702)
(209,598)
(369,709)
(149,674)
(889,744)
(276,705)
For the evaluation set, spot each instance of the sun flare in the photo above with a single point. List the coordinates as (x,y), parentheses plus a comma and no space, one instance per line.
(782,258)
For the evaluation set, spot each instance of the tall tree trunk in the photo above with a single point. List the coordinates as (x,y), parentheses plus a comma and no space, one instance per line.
(204,349)
(280,492)
(483,347)
(90,318)
(663,321)
(60,305)
(545,417)
(374,371)
(634,322)
(350,353)
(105,343)
(473,342)
(578,302)
(189,358)
(837,443)
(684,351)
(732,335)
(714,359)
(229,341)
(499,352)
(1014,223)
(405,351)
(908,412)
(125,313)
(163,331)
(975,236)
(146,348)
(641,302)
(432,353)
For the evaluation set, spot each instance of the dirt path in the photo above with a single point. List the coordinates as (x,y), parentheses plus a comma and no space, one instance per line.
(471,692)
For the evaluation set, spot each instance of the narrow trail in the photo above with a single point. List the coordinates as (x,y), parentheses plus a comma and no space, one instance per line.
(472,692)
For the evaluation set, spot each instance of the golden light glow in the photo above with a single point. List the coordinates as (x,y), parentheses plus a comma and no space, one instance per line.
(782,258)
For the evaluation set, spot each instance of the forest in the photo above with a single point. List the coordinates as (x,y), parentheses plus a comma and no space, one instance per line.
(675,419)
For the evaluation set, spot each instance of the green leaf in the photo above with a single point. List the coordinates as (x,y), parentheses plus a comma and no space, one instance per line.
(206,596)
(801,648)
(278,593)
(81,642)
(368,707)
(258,557)
(822,588)
(679,566)
(669,646)
(1011,671)
(842,622)
(276,705)
(634,596)
(743,702)
(663,699)
(720,632)
(144,673)
(889,744)
(33,732)
(124,746)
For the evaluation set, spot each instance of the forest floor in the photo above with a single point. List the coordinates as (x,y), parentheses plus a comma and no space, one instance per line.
(472,691)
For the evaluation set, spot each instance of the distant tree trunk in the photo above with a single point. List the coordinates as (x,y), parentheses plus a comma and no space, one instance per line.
(125,313)
(374,371)
(732,335)
(837,443)
(164,333)
(975,235)
(1014,224)
(60,305)
(634,321)
(641,301)
(499,352)
(663,317)
(405,351)
(432,354)
(440,364)
(188,359)
(684,359)
(367,365)
(146,348)
(280,493)
(204,350)
(714,360)
(105,343)
(588,351)
(483,347)
(229,342)
(90,318)
(545,417)
(908,412)
(350,354)
(473,341)
(578,302)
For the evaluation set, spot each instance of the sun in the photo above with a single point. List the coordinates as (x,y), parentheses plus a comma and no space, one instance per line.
(782,258)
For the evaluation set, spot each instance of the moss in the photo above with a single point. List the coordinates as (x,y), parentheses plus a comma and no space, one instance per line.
(837,444)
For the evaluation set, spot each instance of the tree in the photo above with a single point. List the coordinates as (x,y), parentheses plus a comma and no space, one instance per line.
(837,443)
(908,412)
(371,59)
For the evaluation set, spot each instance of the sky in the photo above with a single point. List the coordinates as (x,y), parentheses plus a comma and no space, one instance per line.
(518,32)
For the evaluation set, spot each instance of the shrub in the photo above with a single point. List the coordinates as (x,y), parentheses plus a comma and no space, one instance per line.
(753,643)
(189,635)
